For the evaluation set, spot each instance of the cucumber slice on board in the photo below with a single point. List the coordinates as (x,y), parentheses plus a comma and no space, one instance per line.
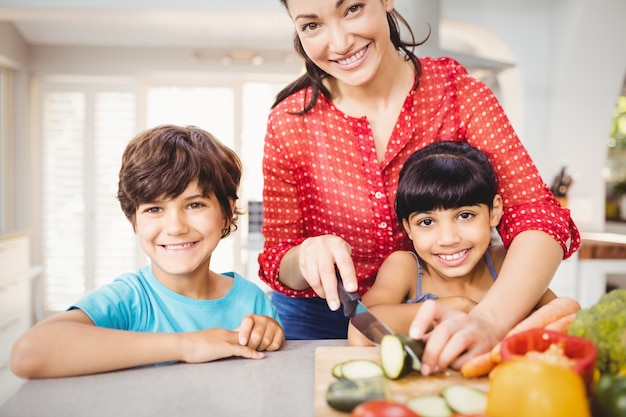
(430,406)
(357,369)
(465,400)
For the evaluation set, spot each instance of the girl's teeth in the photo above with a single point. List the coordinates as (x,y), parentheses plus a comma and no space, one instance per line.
(352,58)
(453,256)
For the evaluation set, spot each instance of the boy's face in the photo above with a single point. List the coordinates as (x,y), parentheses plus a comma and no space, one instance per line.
(453,241)
(180,234)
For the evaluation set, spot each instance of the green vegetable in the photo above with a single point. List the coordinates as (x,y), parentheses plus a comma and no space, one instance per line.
(465,400)
(429,406)
(345,394)
(357,369)
(452,399)
(604,324)
(608,398)
(395,358)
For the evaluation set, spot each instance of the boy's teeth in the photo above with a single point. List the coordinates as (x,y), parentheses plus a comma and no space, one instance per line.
(352,58)
(453,256)
(181,246)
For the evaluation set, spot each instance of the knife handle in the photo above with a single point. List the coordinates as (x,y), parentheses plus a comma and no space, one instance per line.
(349,300)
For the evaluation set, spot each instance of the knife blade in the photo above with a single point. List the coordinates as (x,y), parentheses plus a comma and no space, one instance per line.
(366,322)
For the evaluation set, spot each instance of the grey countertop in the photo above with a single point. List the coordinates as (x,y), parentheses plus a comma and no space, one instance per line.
(281,384)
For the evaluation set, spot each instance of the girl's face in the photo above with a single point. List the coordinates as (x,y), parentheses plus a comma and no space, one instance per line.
(452,242)
(347,39)
(180,234)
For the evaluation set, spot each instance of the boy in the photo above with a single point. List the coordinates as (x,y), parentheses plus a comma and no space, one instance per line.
(178,188)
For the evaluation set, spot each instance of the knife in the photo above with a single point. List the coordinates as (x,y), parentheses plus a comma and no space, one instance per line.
(366,322)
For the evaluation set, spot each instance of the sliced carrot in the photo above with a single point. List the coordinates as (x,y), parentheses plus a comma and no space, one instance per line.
(478,366)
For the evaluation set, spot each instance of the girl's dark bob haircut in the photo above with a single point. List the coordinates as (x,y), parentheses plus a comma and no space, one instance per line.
(445,175)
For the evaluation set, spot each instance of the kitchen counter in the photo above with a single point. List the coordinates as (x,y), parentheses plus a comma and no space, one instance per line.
(281,384)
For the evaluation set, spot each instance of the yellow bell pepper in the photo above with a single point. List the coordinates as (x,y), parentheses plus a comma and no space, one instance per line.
(533,388)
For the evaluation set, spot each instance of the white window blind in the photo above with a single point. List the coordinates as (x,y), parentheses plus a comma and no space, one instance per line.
(87,240)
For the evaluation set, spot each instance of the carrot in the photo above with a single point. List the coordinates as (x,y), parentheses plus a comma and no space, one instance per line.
(561,325)
(478,366)
(546,315)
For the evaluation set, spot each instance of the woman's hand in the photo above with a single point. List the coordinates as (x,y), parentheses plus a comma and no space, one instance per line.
(456,336)
(317,259)
(260,333)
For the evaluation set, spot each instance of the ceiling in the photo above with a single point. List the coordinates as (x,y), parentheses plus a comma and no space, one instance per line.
(244,28)
(188,25)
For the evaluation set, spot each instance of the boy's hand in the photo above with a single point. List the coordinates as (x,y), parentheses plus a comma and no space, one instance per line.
(260,333)
(212,344)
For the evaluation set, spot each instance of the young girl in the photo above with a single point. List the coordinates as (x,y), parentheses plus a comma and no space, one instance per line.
(448,204)
(336,140)
(178,188)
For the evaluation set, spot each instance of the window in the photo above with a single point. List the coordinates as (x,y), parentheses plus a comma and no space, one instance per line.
(86,239)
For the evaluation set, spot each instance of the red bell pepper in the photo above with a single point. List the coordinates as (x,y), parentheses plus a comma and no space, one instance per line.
(580,352)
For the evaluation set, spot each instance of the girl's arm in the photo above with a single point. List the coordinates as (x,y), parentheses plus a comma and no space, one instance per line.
(529,265)
(69,344)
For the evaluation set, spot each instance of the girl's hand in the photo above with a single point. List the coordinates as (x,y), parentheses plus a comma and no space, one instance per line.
(456,336)
(260,333)
(317,260)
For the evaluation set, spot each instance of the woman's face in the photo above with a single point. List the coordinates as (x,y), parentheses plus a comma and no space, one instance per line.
(347,39)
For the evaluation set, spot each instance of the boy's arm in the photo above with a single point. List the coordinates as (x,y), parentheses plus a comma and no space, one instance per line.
(69,344)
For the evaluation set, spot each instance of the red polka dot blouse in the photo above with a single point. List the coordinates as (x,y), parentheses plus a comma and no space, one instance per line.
(321,174)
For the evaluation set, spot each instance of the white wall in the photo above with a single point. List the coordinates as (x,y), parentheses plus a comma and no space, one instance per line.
(573,64)
(14,54)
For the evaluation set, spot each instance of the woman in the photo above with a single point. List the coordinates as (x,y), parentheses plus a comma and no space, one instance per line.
(336,140)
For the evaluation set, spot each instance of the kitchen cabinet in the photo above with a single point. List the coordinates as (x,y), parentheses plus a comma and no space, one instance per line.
(15,303)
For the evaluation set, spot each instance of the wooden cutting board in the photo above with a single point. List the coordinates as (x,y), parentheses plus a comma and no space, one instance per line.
(400,390)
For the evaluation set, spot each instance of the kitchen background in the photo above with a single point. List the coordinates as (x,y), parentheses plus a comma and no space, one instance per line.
(78,78)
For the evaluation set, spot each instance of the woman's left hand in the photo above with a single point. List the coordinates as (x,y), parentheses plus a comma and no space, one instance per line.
(456,337)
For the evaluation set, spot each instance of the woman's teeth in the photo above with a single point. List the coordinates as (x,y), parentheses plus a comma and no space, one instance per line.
(353,58)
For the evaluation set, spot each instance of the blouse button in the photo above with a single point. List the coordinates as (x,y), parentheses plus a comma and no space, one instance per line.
(379,195)
(383,225)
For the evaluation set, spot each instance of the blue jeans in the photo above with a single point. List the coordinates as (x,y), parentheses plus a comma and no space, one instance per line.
(309,318)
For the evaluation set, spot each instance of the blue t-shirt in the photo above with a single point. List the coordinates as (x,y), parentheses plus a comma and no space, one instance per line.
(139,302)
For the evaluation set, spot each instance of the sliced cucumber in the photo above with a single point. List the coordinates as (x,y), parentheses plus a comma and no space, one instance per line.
(430,406)
(345,394)
(417,347)
(465,400)
(394,358)
(337,371)
(357,369)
